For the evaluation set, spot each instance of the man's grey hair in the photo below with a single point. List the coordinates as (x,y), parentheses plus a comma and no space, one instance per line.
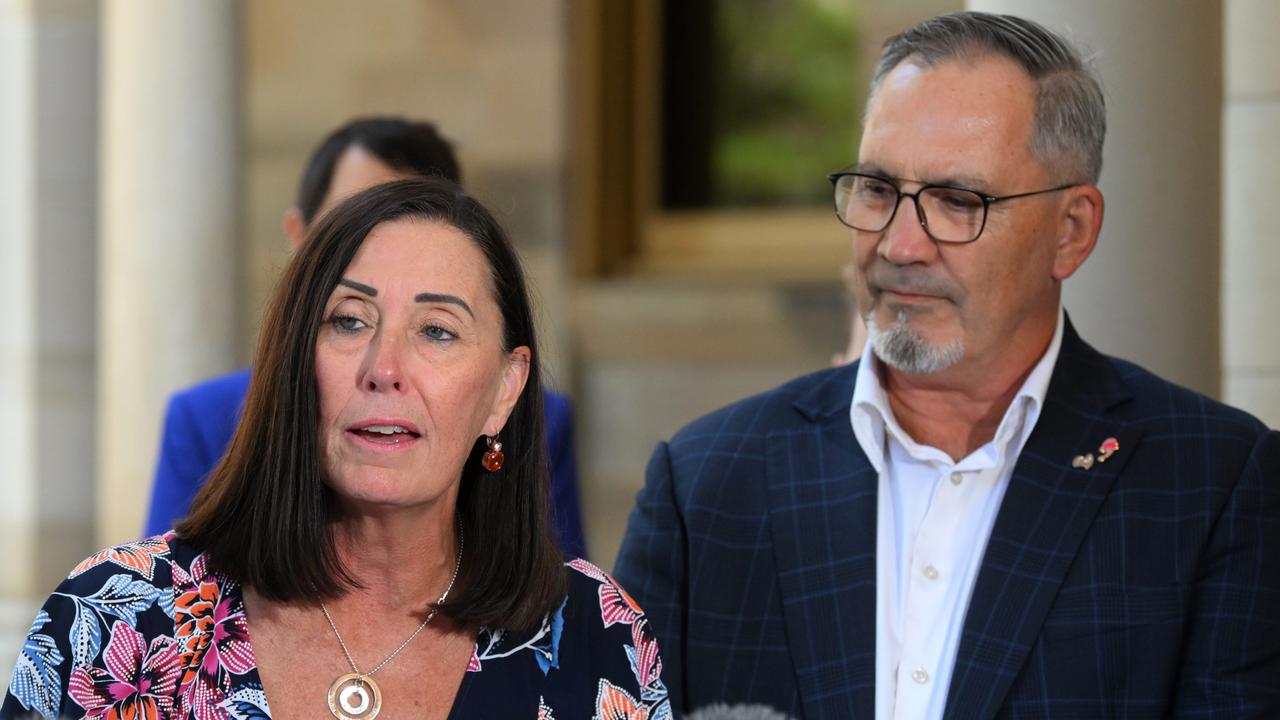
(1071,118)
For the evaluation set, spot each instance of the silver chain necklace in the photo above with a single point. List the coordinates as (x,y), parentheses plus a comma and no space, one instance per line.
(355,696)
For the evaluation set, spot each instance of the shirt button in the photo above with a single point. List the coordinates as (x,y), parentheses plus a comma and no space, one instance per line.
(920,676)
(931,572)
(956,478)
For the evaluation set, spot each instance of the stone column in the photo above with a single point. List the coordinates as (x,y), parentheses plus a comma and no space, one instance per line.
(1150,292)
(168,297)
(1250,184)
(48,170)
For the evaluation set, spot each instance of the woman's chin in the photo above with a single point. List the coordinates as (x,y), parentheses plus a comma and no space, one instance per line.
(381,489)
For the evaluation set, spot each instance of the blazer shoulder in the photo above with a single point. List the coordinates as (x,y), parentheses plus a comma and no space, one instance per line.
(556,406)
(790,405)
(1160,402)
(558,414)
(224,392)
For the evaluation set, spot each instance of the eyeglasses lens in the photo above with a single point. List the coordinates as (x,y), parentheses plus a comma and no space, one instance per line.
(950,215)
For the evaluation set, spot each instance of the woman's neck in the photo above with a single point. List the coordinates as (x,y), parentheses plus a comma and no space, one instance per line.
(398,560)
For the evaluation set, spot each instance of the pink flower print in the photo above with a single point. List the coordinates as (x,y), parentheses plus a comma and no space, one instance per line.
(614,703)
(139,557)
(213,638)
(616,606)
(587,569)
(648,666)
(138,682)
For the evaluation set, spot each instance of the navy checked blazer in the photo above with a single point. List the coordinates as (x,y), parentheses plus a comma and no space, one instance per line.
(1145,586)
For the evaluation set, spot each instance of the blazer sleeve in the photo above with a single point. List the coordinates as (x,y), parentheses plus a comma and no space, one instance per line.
(180,468)
(1231,665)
(652,565)
(566,509)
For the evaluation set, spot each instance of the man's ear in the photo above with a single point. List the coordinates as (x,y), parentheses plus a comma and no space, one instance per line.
(514,377)
(1078,232)
(295,228)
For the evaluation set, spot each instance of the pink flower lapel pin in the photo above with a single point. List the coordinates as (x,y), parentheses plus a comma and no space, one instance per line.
(1107,449)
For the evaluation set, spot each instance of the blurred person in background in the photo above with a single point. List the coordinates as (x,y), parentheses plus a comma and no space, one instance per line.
(984,516)
(376,537)
(200,420)
(857,326)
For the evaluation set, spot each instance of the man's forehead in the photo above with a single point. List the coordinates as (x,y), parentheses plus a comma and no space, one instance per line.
(971,71)
(955,120)
(904,72)
(952,176)
(356,170)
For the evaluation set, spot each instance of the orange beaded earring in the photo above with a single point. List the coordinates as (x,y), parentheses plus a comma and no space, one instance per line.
(493,457)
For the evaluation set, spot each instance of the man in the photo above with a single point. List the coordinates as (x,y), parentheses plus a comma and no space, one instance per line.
(983,517)
(201,419)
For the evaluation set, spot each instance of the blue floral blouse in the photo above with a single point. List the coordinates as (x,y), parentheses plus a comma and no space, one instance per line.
(147,631)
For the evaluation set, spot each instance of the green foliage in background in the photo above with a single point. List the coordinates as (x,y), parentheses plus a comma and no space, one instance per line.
(783,100)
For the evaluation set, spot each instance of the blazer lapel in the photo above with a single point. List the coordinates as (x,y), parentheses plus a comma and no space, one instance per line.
(822,494)
(1046,512)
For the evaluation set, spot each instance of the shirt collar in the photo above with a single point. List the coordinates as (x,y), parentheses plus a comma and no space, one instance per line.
(872,418)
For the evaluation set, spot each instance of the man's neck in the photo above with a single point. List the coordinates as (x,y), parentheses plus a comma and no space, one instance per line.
(959,410)
(957,421)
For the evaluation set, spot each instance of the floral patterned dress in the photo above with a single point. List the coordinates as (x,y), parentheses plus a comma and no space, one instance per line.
(147,631)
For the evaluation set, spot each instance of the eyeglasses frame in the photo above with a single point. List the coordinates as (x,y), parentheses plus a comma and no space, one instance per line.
(987,201)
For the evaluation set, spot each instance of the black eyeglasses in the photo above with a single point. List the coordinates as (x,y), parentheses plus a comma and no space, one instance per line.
(948,214)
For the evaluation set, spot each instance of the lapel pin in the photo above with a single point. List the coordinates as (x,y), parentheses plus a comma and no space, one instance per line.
(1083,461)
(1107,449)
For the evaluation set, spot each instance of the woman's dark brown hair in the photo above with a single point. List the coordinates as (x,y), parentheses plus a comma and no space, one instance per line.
(265,517)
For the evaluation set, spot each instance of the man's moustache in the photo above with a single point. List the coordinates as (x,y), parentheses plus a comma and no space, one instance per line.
(882,278)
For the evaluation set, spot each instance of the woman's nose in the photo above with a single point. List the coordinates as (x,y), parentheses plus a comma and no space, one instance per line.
(384,369)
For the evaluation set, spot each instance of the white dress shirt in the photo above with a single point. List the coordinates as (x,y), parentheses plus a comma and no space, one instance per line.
(934,519)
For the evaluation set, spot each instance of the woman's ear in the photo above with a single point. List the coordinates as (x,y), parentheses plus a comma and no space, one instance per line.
(515,374)
(1081,223)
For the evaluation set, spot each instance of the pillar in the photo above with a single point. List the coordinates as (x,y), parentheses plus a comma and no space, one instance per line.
(168,296)
(1150,292)
(48,173)
(1250,184)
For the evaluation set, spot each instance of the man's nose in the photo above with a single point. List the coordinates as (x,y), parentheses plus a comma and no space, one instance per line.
(905,240)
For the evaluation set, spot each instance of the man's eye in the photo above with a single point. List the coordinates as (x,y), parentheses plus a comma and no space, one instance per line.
(875,189)
(958,201)
(347,323)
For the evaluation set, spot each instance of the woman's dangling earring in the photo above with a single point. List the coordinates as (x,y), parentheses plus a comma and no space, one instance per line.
(493,457)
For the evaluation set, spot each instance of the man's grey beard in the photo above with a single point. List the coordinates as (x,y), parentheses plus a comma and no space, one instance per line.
(902,348)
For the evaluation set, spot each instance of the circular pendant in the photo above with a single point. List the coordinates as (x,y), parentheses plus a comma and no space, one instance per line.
(355,697)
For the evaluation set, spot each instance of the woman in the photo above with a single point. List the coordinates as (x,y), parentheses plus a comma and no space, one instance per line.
(376,538)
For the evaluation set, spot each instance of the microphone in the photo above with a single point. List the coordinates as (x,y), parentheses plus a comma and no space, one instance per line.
(723,711)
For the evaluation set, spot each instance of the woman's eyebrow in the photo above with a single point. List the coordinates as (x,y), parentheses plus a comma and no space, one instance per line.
(443,298)
(361,287)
